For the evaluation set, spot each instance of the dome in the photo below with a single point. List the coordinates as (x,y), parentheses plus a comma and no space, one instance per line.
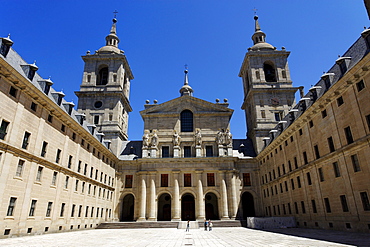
(109,49)
(262,46)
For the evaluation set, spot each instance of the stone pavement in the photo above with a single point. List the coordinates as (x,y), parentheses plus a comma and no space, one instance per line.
(235,236)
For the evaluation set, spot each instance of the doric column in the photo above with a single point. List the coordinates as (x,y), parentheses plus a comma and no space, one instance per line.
(234,201)
(153,204)
(201,212)
(143,200)
(176,197)
(225,210)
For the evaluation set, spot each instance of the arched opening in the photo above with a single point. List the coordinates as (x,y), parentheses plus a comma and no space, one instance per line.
(102,76)
(269,70)
(186,119)
(248,205)
(211,207)
(128,203)
(187,207)
(164,207)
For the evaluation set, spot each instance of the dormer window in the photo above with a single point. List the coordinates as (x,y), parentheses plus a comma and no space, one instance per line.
(102,76)
(6,43)
(269,70)
(343,63)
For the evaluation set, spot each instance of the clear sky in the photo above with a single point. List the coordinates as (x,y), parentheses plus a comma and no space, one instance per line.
(160,36)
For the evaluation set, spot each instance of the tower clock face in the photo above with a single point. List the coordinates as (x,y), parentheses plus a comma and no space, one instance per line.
(275,101)
(98,104)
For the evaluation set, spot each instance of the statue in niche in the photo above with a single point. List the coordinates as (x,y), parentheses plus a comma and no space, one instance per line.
(154,139)
(228,137)
(146,139)
(220,137)
(176,139)
(198,137)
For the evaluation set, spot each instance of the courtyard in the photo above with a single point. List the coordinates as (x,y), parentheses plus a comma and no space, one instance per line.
(232,236)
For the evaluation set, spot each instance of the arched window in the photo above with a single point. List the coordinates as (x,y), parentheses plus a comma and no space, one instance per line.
(269,72)
(102,76)
(186,118)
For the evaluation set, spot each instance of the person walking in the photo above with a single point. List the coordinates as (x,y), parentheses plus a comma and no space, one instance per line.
(210,225)
(205,225)
(187,226)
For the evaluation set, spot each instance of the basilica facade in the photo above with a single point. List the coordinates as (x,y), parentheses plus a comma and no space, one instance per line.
(63,168)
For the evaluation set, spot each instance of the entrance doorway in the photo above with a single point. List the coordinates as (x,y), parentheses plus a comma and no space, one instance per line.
(187,207)
(248,205)
(164,207)
(128,203)
(211,207)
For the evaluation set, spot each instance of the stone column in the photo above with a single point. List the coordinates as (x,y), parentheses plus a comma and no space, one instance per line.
(221,150)
(153,204)
(176,151)
(176,197)
(142,211)
(201,208)
(225,210)
(234,201)
(198,151)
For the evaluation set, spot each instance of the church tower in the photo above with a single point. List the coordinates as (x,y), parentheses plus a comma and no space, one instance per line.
(268,90)
(104,92)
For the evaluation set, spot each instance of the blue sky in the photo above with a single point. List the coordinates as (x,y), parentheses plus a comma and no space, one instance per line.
(160,36)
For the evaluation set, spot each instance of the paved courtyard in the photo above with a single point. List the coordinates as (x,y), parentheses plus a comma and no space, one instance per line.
(236,236)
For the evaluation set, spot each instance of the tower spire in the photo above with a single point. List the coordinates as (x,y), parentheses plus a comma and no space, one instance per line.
(186,89)
(111,40)
(259,38)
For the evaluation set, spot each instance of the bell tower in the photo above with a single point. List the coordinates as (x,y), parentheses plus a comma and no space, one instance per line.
(105,89)
(268,89)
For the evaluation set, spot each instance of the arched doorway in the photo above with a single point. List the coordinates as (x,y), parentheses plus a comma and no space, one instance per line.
(211,207)
(128,203)
(164,207)
(187,207)
(248,205)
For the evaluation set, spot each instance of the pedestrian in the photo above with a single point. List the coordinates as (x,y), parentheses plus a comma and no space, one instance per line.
(187,226)
(205,225)
(210,225)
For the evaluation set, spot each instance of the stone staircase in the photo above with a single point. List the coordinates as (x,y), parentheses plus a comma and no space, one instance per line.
(170,224)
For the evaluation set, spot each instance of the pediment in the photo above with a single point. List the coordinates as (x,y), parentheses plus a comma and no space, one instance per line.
(196,105)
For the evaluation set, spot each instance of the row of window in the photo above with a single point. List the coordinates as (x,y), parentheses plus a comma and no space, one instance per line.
(49,207)
(335,168)
(187,180)
(342,198)
(187,151)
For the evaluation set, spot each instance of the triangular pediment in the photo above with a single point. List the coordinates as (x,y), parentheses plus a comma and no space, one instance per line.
(196,105)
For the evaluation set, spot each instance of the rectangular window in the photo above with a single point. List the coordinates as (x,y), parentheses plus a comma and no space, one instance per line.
(317,152)
(57,158)
(360,85)
(321,174)
(91,172)
(289,209)
(66,182)
(33,106)
(62,210)
(310,123)
(331,144)
(63,128)
(85,169)
(348,133)
(247,179)
(92,212)
(70,160)
(187,151)
(32,208)
(48,209)
(96,119)
(54,179)
(73,210)
(296,207)
(11,206)
(50,118)
(300,132)
(309,178)
(327,205)
(263,114)
(277,116)
(365,201)
(209,151)
(292,183)
(164,180)
(87,211)
(355,163)
(79,210)
(3,128)
(314,209)
(187,180)
(39,173)
(303,207)
(79,166)
(305,160)
(128,182)
(324,114)
(336,169)
(165,151)
(299,182)
(367,121)
(210,179)
(43,149)
(289,166)
(13,91)
(343,201)
(286,185)
(19,168)
(26,139)
(340,101)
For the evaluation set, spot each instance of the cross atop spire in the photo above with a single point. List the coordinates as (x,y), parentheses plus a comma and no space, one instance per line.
(255,11)
(115,14)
